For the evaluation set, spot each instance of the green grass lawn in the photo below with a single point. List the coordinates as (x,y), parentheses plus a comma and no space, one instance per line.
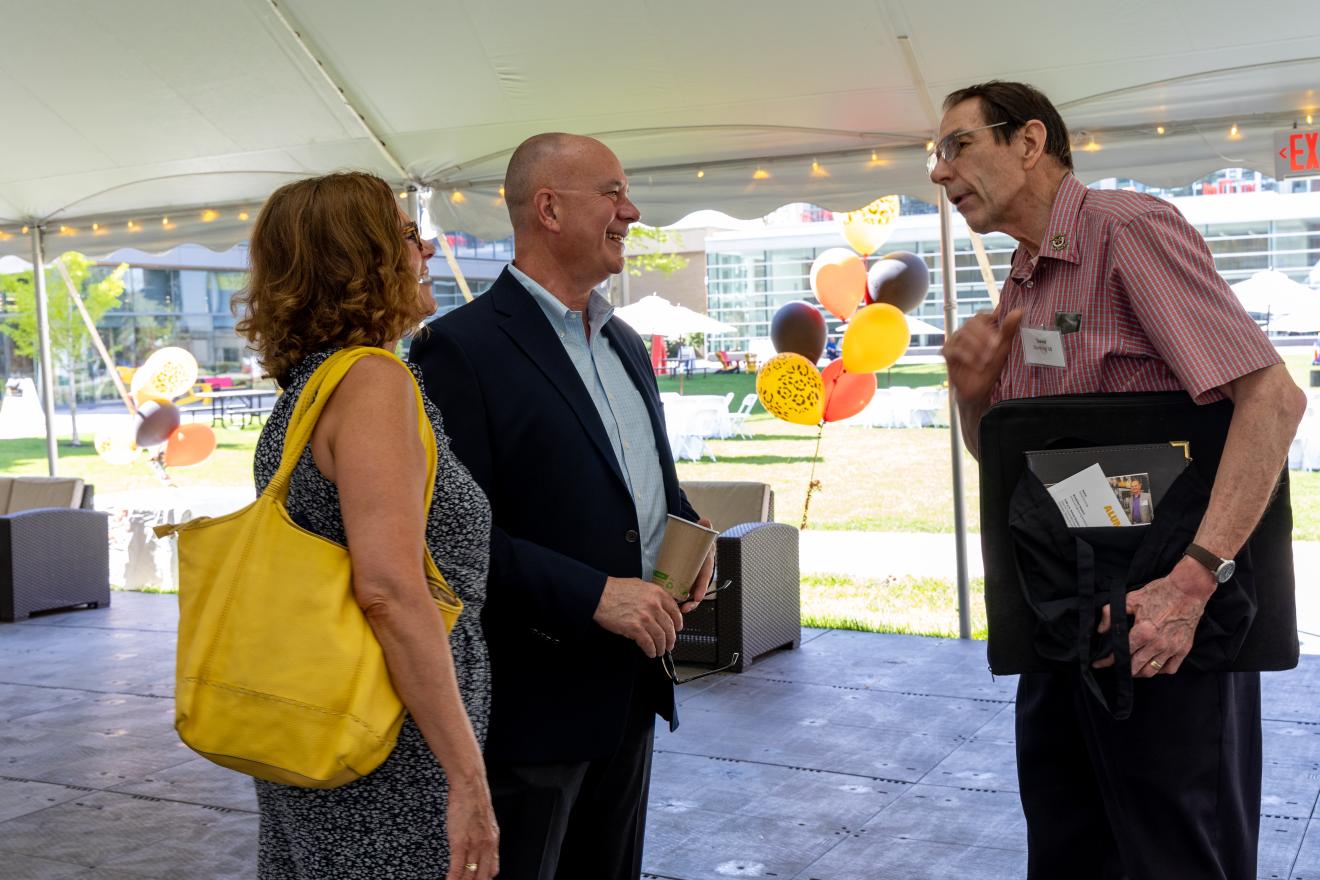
(870,479)
(230,465)
(907,605)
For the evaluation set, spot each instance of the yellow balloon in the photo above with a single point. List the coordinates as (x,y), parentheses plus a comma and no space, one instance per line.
(114,443)
(868,228)
(790,388)
(166,374)
(876,337)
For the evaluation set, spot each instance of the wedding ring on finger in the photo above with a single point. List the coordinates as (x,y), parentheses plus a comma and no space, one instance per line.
(1157,664)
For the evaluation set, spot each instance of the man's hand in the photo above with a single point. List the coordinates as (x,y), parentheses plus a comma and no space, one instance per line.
(976,353)
(1166,612)
(702,581)
(641,611)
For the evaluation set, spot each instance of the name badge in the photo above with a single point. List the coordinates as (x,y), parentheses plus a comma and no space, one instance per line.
(1042,347)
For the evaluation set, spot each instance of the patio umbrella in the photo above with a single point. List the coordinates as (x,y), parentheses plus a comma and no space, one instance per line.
(918,327)
(1275,294)
(656,316)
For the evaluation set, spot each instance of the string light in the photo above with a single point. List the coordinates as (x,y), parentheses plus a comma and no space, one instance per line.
(25,230)
(165,221)
(874,157)
(760,174)
(701,173)
(133,227)
(1092,146)
(1233,133)
(243,215)
(1308,119)
(5,236)
(210,216)
(1159,129)
(930,146)
(457,197)
(501,192)
(817,170)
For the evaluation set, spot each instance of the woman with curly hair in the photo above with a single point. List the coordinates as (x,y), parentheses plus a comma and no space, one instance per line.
(334,263)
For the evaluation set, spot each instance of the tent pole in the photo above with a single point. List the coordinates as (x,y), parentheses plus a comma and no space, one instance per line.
(46,377)
(947,271)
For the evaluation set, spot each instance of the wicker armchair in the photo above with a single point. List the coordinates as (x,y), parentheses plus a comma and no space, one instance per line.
(761,609)
(54,548)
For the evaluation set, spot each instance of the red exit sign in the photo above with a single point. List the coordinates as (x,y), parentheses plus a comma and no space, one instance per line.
(1296,153)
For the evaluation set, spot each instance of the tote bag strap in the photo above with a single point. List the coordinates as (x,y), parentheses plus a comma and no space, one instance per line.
(312,400)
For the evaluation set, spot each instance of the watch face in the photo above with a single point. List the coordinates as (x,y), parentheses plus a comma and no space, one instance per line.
(1225,570)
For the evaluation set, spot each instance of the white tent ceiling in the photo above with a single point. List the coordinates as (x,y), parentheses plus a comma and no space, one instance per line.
(137,111)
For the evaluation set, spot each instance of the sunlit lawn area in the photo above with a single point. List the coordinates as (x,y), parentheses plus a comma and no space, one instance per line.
(895,480)
(230,465)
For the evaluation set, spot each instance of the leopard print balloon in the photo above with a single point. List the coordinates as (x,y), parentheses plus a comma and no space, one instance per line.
(790,388)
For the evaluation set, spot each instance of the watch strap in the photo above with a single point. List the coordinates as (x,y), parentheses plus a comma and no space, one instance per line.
(1205,557)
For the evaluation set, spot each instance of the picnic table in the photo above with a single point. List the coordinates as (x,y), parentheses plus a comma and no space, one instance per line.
(251,404)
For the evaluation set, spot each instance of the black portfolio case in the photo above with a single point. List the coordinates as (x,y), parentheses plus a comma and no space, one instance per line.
(1012,428)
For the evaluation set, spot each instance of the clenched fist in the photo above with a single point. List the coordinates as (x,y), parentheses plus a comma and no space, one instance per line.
(976,353)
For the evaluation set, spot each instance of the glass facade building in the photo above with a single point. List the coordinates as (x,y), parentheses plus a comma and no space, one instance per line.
(750,274)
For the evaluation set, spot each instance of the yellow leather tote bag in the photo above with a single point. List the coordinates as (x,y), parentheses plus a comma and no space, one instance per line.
(278,672)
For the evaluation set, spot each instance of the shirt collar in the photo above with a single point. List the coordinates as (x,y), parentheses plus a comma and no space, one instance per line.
(1060,240)
(561,317)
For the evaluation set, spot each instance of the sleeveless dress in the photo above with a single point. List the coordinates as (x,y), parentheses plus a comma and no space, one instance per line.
(390,824)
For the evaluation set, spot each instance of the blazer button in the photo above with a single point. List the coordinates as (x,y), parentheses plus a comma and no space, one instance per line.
(630,536)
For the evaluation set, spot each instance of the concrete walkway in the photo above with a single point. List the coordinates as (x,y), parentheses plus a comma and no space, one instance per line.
(856,757)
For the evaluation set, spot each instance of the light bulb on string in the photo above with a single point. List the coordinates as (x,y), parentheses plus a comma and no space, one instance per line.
(1159,129)
(818,170)
(457,197)
(243,215)
(210,216)
(1233,133)
(760,174)
(701,173)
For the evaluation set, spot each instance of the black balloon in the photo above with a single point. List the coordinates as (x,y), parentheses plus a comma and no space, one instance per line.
(900,279)
(799,327)
(159,420)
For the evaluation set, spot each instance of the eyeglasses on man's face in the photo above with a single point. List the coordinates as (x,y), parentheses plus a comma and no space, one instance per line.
(949,146)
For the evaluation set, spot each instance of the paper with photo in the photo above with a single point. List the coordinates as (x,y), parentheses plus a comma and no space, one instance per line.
(1086,499)
(1134,497)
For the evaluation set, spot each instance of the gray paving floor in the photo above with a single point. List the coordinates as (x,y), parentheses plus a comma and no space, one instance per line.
(856,757)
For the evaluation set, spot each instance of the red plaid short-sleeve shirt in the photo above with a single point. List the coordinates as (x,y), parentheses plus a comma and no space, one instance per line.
(1154,313)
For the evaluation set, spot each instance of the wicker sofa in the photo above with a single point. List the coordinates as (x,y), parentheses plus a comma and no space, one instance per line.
(761,609)
(54,548)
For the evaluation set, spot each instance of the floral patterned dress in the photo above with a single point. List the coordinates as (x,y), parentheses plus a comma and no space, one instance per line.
(389,825)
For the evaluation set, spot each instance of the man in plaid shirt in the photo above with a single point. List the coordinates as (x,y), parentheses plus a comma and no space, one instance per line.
(1114,291)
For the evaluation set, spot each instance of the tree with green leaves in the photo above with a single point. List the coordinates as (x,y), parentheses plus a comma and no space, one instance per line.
(651,254)
(69,339)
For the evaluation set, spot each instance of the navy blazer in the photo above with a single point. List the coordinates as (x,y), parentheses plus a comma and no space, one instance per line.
(518,416)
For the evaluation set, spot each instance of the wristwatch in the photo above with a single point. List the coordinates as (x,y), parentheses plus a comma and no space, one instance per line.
(1221,568)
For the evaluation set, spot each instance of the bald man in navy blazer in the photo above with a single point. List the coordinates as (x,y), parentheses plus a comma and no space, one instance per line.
(551,404)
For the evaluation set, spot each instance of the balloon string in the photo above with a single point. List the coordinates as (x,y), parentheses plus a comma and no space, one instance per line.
(812,483)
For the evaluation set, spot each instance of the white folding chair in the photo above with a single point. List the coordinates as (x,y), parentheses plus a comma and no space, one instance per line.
(736,419)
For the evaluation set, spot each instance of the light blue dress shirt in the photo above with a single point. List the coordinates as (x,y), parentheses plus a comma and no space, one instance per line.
(620,405)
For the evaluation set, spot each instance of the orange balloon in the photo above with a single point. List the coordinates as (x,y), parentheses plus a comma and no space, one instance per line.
(838,278)
(846,394)
(189,445)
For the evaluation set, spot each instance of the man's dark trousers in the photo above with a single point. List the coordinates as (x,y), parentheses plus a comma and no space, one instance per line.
(1172,792)
(605,798)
